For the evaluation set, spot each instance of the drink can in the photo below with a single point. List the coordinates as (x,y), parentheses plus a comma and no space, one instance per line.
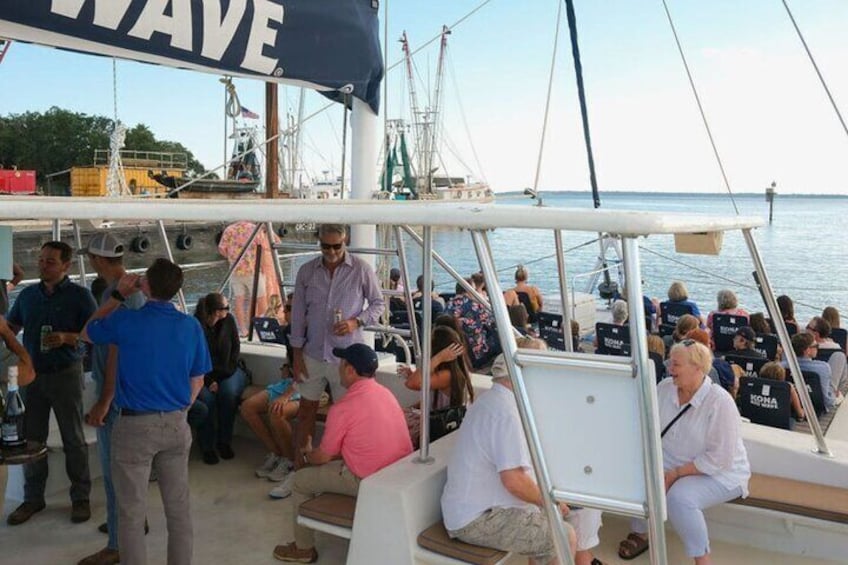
(45,331)
(337,315)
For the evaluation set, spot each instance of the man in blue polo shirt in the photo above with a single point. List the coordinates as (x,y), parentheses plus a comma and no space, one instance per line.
(52,313)
(162,358)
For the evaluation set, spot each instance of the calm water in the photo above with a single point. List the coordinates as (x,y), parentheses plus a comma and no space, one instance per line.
(803,257)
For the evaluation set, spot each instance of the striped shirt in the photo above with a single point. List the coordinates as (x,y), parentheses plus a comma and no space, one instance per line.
(353,288)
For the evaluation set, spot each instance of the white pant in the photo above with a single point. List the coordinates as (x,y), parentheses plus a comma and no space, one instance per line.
(687,499)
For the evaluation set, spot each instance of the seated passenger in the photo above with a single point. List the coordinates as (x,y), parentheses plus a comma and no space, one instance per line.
(685,324)
(619,313)
(776,372)
(479,282)
(279,401)
(722,372)
(726,303)
(438,303)
(276,310)
(365,432)
(450,378)
(787,312)
(704,459)
(396,302)
(831,314)
(491,497)
(519,319)
(820,328)
(656,352)
(214,411)
(805,347)
(477,325)
(743,344)
(758,323)
(679,294)
(511,298)
(528,294)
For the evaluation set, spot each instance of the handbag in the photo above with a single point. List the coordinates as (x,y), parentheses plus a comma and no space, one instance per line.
(444,420)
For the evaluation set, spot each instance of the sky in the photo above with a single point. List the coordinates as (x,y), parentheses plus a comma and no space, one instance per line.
(769,115)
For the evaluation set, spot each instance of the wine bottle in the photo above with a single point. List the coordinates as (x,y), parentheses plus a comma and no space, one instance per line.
(12,428)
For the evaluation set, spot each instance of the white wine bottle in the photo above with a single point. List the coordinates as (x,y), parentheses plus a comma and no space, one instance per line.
(12,429)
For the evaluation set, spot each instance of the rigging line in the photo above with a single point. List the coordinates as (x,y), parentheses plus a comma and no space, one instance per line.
(548,98)
(581,95)
(816,67)
(452,74)
(700,107)
(712,274)
(115,88)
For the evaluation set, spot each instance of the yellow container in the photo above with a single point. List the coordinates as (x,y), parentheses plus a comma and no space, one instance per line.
(91,181)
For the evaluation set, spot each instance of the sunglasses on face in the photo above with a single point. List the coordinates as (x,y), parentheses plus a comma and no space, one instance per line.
(333,246)
(224,308)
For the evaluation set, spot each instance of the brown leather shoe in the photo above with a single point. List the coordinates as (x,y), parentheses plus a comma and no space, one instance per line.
(105,556)
(80,512)
(24,512)
(294,554)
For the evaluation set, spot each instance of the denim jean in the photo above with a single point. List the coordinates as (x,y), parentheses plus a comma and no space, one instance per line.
(104,449)
(214,413)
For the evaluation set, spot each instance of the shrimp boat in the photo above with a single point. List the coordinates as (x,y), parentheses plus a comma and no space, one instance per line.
(797,511)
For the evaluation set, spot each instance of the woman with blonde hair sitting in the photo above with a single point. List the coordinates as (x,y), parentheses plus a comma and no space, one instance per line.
(704,459)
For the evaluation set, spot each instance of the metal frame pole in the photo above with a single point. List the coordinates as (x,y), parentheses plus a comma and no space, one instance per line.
(407,289)
(278,270)
(424,361)
(771,305)
(164,235)
(649,422)
(563,291)
(549,503)
(80,258)
(57,230)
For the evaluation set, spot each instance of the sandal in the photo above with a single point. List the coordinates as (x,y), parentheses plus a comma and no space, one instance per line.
(632,547)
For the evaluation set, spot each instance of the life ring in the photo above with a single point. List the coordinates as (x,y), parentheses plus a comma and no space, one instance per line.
(218,236)
(184,241)
(282,231)
(140,244)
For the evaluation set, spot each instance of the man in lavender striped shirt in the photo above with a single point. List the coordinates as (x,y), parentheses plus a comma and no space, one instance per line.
(335,296)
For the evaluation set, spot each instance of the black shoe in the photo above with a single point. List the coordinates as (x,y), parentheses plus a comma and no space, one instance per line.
(210,457)
(80,511)
(225,451)
(24,512)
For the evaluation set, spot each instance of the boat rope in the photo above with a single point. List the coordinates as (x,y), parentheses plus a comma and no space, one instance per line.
(548,99)
(233,106)
(816,67)
(713,275)
(458,96)
(700,106)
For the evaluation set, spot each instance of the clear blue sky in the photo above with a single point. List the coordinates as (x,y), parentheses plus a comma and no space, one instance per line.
(770,117)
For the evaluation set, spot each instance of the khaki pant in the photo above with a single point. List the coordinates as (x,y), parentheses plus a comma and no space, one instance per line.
(163,441)
(312,481)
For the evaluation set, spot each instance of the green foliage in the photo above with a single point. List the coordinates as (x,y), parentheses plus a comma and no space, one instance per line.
(58,139)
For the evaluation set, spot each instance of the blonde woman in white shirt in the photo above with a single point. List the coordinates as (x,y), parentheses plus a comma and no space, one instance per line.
(703,456)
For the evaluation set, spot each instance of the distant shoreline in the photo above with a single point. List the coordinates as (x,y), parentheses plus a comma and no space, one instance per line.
(606,192)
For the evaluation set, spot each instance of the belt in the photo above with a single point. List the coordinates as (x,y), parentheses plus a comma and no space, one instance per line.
(131,412)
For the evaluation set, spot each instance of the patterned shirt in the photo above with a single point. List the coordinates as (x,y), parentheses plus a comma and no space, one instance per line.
(477,324)
(233,240)
(353,288)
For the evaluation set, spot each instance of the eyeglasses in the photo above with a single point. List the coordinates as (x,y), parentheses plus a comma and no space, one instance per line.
(333,246)
(224,308)
(688,342)
(809,329)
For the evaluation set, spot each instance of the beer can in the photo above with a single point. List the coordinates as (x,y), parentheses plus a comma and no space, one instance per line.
(337,315)
(45,331)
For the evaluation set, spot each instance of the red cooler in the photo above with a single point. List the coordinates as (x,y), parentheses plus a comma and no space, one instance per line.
(17,182)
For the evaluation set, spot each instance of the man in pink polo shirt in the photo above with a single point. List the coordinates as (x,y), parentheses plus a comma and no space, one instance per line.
(365,432)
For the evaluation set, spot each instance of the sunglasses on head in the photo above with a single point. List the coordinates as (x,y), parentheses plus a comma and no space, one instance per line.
(333,246)
(688,342)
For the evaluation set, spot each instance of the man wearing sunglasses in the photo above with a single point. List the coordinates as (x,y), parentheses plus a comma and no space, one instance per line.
(335,296)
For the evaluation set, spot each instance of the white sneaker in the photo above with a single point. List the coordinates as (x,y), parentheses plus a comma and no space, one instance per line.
(271,461)
(280,470)
(284,489)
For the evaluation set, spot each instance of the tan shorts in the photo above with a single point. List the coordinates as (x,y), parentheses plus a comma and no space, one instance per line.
(321,373)
(242,285)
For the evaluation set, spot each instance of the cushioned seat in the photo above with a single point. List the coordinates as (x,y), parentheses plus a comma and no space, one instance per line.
(332,508)
(797,497)
(436,539)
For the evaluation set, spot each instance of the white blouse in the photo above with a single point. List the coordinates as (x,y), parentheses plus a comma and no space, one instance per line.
(707,434)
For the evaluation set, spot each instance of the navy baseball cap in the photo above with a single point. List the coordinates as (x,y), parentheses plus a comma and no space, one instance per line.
(747,333)
(361,357)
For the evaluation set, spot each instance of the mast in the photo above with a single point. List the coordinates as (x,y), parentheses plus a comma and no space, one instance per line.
(434,112)
(419,125)
(272,179)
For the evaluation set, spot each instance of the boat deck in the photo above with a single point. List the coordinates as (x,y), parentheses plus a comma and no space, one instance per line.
(236,522)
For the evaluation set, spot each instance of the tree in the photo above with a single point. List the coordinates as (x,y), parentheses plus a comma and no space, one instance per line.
(58,139)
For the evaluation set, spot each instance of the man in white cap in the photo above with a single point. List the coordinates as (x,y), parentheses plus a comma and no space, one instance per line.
(105,253)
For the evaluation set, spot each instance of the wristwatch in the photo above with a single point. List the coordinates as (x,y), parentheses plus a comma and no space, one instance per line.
(117,295)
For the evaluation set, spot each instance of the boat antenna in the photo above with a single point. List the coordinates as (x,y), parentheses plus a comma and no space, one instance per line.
(700,107)
(816,67)
(581,94)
